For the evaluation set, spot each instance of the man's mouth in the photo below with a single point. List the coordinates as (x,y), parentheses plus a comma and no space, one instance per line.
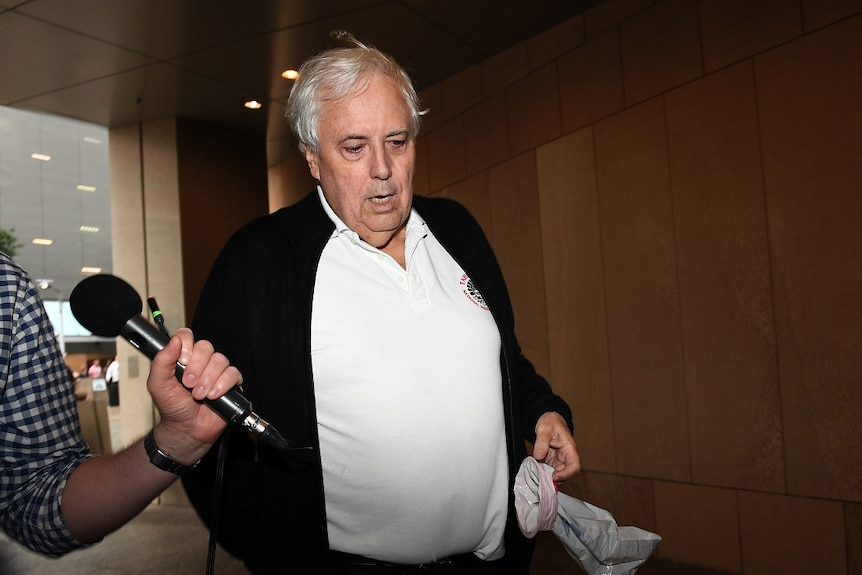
(381,199)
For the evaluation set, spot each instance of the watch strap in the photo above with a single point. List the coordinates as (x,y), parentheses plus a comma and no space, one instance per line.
(161,459)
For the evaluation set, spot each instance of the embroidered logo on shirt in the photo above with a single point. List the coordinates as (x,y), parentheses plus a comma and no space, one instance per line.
(472,293)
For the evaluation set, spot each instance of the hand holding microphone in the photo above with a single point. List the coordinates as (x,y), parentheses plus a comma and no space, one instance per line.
(187,427)
(108,307)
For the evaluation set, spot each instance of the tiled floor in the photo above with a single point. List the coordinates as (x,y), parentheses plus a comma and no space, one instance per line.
(163,540)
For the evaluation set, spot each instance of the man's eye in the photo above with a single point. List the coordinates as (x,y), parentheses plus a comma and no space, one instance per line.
(353,149)
(398,143)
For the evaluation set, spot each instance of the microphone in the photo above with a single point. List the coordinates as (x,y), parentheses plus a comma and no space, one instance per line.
(108,307)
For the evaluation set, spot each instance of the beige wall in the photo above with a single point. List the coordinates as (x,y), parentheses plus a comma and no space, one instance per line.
(673,188)
(145,236)
(222,177)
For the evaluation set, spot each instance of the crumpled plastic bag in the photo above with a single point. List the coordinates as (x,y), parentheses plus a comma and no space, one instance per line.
(588,533)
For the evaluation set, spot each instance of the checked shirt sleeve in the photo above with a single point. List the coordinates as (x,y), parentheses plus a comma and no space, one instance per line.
(40,440)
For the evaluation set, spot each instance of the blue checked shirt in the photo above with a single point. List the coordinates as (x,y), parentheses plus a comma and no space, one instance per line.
(40,439)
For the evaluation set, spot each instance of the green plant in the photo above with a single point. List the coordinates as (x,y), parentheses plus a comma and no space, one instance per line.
(9,244)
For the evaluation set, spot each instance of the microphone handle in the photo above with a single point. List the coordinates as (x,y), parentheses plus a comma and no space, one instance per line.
(148,339)
(233,406)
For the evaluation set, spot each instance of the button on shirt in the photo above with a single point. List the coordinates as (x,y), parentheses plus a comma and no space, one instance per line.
(409,402)
(40,443)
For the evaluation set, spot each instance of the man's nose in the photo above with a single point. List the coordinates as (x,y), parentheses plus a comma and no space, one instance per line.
(381,167)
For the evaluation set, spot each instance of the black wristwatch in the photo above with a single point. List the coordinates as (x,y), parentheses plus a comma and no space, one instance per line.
(161,459)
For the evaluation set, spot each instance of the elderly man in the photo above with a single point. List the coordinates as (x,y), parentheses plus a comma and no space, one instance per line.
(374,326)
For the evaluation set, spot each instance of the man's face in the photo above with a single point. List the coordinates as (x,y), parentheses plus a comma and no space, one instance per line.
(366,159)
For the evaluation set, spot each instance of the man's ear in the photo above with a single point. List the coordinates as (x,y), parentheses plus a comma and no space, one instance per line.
(313,166)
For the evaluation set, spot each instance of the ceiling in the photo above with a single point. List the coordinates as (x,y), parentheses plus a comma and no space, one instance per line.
(119,62)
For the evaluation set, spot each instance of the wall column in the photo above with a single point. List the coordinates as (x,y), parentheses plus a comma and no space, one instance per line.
(179,188)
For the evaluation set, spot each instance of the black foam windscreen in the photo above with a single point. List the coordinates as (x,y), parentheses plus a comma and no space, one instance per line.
(104,303)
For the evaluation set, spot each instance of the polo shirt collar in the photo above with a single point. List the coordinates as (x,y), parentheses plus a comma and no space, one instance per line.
(416,227)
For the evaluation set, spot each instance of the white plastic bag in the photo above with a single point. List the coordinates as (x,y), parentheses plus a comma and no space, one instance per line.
(588,533)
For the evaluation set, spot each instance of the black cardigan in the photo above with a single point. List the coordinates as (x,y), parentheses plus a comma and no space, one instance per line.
(256,309)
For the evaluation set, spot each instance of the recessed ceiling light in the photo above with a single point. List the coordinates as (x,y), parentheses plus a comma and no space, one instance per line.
(290,74)
(43,157)
(92,229)
(253,105)
(89,270)
(84,188)
(42,241)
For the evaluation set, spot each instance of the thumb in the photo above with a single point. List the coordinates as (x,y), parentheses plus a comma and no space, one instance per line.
(541,447)
(165,362)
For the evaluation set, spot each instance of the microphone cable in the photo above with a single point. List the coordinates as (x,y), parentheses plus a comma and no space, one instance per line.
(216,503)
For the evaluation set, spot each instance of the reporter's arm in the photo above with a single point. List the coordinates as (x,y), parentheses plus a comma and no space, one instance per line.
(103,493)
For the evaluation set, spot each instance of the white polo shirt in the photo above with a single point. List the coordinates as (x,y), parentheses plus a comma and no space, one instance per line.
(408,389)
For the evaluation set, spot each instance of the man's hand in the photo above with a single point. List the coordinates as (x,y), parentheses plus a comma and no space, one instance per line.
(556,446)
